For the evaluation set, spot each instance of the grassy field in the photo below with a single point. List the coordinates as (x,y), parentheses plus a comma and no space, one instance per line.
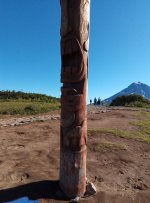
(105,146)
(27,107)
(141,134)
(13,103)
(138,135)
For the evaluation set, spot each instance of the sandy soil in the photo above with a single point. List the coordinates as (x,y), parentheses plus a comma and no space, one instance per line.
(29,161)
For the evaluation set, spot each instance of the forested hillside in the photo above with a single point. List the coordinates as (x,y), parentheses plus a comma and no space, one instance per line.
(12,103)
(131,101)
(13,95)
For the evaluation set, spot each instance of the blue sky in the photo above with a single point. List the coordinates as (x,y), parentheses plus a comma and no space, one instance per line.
(30,39)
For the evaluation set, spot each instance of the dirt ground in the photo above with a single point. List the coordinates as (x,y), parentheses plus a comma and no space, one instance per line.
(119,168)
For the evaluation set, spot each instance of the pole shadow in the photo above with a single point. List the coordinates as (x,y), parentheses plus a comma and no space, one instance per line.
(47,189)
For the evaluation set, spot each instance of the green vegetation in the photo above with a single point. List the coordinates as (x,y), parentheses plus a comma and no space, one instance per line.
(18,107)
(12,103)
(131,101)
(143,125)
(105,146)
(138,135)
(22,96)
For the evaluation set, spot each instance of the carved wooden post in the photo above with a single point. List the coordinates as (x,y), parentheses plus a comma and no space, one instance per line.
(74,68)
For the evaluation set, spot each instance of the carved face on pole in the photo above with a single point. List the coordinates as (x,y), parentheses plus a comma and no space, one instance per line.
(74,55)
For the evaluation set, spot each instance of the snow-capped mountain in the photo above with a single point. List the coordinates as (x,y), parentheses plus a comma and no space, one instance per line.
(135,88)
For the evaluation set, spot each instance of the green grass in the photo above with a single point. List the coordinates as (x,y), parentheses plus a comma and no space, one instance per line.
(105,146)
(138,104)
(27,107)
(144,126)
(138,135)
(131,101)
(143,123)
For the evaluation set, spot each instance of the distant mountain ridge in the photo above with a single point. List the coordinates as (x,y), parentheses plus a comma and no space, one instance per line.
(135,88)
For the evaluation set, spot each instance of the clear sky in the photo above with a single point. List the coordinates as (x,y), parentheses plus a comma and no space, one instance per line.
(30,39)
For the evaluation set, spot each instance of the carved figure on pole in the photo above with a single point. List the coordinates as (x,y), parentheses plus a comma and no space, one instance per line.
(74,70)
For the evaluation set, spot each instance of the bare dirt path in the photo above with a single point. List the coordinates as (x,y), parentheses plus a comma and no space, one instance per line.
(119,167)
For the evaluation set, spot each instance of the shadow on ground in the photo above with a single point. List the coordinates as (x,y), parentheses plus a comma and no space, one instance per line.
(33,191)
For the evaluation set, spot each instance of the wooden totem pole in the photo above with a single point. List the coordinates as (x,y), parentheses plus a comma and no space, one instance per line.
(74,69)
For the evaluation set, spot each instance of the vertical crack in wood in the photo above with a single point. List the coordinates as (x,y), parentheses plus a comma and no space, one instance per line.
(74,68)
